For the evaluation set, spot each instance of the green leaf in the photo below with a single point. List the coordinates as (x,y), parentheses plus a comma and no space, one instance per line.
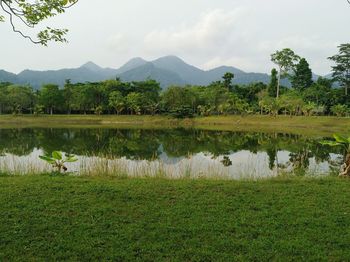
(47,159)
(341,139)
(57,155)
(330,143)
(71,159)
(68,155)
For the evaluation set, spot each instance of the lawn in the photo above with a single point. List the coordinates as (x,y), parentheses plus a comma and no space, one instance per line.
(317,125)
(71,218)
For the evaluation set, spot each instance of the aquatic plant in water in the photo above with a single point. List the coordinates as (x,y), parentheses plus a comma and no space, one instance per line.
(58,161)
(226,161)
(345,143)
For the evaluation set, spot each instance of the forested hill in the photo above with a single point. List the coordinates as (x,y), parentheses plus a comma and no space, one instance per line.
(169,70)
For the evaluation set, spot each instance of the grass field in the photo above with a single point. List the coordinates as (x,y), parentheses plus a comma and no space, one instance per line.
(255,123)
(71,218)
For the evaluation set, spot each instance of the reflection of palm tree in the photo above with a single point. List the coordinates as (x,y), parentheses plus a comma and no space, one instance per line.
(270,143)
(272,153)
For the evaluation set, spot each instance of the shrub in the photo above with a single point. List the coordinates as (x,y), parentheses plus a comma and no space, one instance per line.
(340,110)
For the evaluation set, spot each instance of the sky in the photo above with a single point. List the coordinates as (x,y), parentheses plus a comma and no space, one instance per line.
(204,33)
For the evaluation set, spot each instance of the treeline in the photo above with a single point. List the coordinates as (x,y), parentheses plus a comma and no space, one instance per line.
(147,98)
(305,97)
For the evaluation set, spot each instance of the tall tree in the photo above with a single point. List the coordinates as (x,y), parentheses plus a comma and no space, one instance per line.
(302,78)
(285,60)
(19,98)
(68,95)
(176,98)
(31,13)
(3,96)
(272,88)
(51,97)
(84,96)
(319,92)
(341,70)
(228,77)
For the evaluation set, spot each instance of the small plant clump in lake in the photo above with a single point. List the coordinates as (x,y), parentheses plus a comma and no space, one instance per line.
(345,143)
(58,161)
(226,161)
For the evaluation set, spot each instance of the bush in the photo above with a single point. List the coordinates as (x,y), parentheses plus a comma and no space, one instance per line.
(340,110)
(182,112)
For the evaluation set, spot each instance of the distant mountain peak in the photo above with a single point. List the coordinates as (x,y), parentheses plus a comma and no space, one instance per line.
(170,59)
(91,66)
(167,70)
(224,69)
(132,64)
(136,60)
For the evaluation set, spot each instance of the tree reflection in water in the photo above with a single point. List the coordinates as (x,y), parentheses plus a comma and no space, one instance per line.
(147,144)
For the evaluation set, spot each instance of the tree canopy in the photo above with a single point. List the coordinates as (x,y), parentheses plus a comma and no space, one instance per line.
(286,60)
(302,77)
(30,13)
(341,69)
(272,89)
(146,98)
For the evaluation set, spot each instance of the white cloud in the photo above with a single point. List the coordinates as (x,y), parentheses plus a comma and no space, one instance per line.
(204,33)
(227,37)
(314,48)
(118,43)
(215,33)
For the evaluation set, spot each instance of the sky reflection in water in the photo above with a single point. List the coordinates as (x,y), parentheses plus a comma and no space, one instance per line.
(171,153)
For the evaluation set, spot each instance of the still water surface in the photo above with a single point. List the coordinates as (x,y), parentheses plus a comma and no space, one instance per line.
(172,153)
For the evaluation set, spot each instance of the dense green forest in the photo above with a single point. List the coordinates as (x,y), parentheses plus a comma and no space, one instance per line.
(304,97)
(116,97)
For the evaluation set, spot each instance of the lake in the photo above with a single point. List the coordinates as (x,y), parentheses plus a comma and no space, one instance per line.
(172,153)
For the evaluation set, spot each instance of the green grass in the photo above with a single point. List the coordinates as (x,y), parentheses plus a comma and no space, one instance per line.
(71,218)
(315,125)
(254,123)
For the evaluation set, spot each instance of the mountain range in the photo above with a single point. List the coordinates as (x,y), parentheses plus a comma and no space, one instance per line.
(168,70)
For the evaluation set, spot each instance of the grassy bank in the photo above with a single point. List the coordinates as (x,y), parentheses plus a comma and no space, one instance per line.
(70,218)
(299,125)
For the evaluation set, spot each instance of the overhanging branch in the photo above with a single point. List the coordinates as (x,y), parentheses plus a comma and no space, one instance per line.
(31,14)
(13,25)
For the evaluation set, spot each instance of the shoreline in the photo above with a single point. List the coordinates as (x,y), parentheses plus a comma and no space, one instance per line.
(316,125)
